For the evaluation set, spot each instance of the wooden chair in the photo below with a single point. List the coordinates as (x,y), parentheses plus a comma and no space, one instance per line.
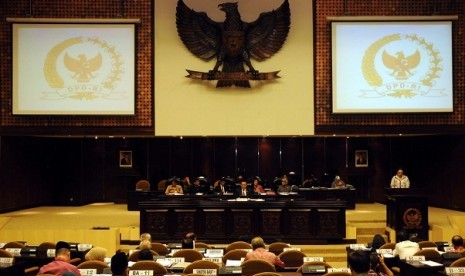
(278,247)
(157,268)
(428,253)
(134,257)
(389,245)
(251,267)
(143,185)
(326,265)
(200,264)
(202,245)
(424,244)
(14,244)
(458,263)
(190,255)
(268,274)
(235,254)
(162,185)
(98,265)
(337,274)
(31,271)
(160,248)
(238,245)
(292,258)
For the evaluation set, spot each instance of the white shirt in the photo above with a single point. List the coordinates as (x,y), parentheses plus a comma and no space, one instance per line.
(400,182)
(406,248)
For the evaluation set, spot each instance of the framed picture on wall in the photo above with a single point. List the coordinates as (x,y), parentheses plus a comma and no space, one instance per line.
(361,158)
(125,159)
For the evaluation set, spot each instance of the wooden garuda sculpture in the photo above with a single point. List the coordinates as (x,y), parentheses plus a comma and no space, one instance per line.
(233,42)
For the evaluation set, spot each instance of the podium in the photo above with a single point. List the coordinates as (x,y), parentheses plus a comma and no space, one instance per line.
(407,209)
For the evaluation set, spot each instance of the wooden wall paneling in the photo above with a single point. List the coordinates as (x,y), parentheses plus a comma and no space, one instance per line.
(269,159)
(225,157)
(247,157)
(93,170)
(313,162)
(159,160)
(334,157)
(291,157)
(203,162)
(181,157)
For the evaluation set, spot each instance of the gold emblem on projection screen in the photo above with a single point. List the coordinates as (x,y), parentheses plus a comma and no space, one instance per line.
(84,80)
(233,42)
(401,66)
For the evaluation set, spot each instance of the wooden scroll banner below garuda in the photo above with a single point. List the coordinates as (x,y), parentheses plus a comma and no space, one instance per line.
(233,42)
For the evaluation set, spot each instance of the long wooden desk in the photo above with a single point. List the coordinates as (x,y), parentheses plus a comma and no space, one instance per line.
(224,221)
(318,194)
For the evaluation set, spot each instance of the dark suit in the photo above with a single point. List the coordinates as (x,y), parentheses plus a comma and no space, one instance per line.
(227,189)
(248,192)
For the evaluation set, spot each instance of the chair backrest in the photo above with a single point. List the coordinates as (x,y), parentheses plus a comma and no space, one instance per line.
(46,246)
(160,248)
(256,266)
(458,263)
(100,266)
(5,254)
(235,254)
(428,253)
(190,255)
(202,245)
(162,185)
(337,274)
(238,245)
(267,274)
(157,268)
(200,264)
(292,258)
(278,247)
(389,245)
(134,257)
(313,263)
(143,185)
(424,244)
(14,244)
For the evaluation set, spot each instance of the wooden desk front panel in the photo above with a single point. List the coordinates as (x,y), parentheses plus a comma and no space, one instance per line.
(225,221)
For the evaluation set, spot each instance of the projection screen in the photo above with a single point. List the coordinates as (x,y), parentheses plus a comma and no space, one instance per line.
(73,69)
(392,66)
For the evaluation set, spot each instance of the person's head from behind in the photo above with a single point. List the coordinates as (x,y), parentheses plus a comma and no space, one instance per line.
(145,244)
(187,243)
(377,242)
(145,255)
(119,264)
(145,236)
(257,242)
(457,241)
(63,250)
(96,254)
(191,235)
(402,235)
(359,262)
(374,261)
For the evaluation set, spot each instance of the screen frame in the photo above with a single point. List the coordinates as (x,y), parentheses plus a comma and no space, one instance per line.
(128,31)
(338,110)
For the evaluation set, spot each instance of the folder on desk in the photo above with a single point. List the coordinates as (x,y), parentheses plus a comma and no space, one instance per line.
(313,269)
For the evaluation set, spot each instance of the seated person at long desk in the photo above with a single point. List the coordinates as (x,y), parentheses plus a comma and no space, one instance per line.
(310,182)
(284,187)
(200,186)
(223,187)
(257,188)
(243,190)
(338,183)
(174,187)
(400,180)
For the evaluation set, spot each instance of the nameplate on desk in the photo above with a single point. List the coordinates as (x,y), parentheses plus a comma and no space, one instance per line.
(430,248)
(214,253)
(176,260)
(140,272)
(163,262)
(51,253)
(233,263)
(88,271)
(313,259)
(384,251)
(6,260)
(214,260)
(204,271)
(84,247)
(455,270)
(14,251)
(342,269)
(231,270)
(357,246)
(414,258)
(292,249)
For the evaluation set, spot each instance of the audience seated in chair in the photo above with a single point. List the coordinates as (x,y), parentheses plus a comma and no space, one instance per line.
(457,243)
(96,254)
(378,265)
(377,242)
(94,264)
(119,264)
(61,263)
(405,247)
(200,264)
(254,266)
(259,252)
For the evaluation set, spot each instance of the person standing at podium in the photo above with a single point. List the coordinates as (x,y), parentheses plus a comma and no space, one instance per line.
(400,180)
